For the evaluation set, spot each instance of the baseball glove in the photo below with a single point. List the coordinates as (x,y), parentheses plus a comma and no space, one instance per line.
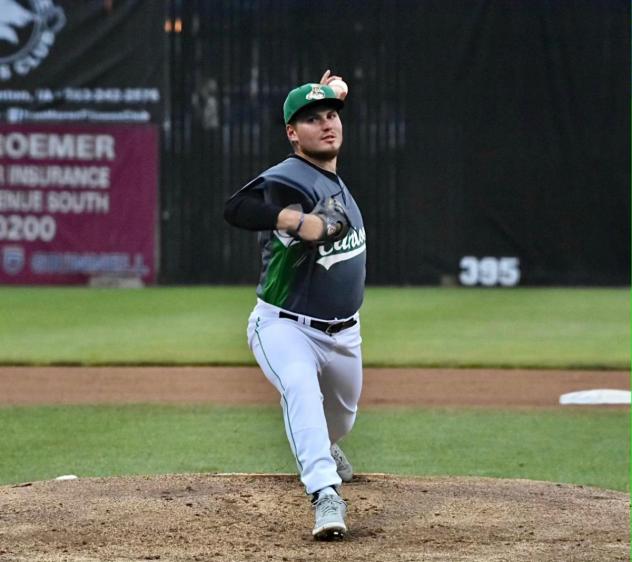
(334,217)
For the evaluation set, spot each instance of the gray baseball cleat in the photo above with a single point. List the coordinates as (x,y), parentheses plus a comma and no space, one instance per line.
(330,518)
(343,466)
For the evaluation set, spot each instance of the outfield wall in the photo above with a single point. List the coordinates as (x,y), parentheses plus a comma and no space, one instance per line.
(486,142)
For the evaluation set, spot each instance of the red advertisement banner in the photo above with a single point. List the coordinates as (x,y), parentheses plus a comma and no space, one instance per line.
(77,202)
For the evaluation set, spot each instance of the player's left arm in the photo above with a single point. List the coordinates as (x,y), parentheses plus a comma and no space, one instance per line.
(273,207)
(247,209)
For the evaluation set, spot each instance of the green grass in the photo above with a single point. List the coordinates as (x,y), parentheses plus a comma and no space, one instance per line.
(556,328)
(426,327)
(589,447)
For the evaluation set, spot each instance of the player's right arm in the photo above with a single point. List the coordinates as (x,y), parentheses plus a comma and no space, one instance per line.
(249,209)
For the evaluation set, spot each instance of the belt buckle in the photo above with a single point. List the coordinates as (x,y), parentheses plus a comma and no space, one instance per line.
(331,327)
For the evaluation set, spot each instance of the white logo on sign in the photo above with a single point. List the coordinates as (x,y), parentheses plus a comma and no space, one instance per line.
(12,259)
(27,32)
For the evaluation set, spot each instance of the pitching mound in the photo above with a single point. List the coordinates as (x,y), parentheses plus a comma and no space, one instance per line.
(267,517)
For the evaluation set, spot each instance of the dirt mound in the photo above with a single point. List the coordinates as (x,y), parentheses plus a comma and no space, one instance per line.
(267,517)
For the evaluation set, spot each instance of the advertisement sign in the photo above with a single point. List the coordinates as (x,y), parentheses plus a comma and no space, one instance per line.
(97,61)
(77,202)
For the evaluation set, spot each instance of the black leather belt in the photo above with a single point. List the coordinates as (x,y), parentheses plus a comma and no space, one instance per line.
(327,327)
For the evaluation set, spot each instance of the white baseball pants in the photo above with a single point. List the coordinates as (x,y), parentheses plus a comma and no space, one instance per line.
(319,377)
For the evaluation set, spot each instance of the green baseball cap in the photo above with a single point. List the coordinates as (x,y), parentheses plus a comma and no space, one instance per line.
(309,94)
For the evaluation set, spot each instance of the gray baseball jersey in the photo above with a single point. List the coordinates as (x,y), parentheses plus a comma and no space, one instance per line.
(320,280)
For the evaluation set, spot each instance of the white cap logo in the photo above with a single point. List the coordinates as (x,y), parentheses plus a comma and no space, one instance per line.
(316,93)
(27,33)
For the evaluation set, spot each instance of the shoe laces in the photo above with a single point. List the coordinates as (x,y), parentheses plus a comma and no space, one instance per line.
(329,504)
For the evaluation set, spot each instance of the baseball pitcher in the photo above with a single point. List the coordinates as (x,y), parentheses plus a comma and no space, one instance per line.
(305,328)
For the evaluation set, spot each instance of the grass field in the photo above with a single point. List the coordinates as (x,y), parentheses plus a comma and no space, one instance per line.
(561,446)
(425,327)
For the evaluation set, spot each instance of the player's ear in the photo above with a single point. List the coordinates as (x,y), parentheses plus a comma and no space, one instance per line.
(291,133)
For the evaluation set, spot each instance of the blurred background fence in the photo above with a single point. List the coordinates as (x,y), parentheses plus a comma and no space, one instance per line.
(487,142)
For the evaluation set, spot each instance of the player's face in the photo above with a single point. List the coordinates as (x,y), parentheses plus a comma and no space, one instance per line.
(317,133)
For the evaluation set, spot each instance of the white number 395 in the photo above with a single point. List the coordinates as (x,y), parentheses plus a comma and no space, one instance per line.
(489,271)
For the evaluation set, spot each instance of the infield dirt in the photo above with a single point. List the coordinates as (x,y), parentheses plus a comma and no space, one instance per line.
(258,518)
(246,385)
(267,517)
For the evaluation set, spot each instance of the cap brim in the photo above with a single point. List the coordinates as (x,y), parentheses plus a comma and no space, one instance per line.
(333,102)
